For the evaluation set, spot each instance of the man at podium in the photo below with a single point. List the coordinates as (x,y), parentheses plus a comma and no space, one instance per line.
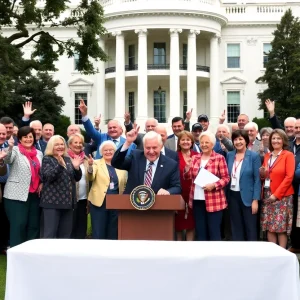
(148,167)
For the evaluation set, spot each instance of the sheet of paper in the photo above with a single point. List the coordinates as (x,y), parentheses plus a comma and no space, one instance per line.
(204,177)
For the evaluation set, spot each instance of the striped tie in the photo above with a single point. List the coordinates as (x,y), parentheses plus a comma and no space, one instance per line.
(148,176)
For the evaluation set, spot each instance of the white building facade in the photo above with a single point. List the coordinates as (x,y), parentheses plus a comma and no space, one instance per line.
(168,56)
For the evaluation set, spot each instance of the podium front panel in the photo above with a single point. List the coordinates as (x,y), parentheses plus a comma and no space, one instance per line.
(146,225)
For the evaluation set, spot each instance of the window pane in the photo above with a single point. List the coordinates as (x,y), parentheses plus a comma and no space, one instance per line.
(159,54)
(267,47)
(233,106)
(184,54)
(184,109)
(159,100)
(131,105)
(233,62)
(233,50)
(77,97)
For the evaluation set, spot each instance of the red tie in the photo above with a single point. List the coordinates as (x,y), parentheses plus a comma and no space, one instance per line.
(148,176)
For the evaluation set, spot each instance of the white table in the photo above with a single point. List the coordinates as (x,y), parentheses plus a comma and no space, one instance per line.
(149,270)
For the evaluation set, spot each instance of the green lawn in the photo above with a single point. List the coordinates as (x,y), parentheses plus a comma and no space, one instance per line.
(2,275)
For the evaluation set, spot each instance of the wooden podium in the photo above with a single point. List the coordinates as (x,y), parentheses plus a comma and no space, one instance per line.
(156,223)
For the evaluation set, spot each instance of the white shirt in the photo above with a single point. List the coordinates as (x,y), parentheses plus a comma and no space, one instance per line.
(199,192)
(163,151)
(118,141)
(82,185)
(236,174)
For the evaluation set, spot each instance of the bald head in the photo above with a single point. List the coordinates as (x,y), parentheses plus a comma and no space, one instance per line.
(162,131)
(150,124)
(72,129)
(3,134)
(37,127)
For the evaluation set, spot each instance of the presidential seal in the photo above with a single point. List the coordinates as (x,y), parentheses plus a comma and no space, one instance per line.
(142,197)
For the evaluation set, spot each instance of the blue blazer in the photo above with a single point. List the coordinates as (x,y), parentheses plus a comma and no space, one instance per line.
(99,138)
(166,175)
(250,185)
(172,154)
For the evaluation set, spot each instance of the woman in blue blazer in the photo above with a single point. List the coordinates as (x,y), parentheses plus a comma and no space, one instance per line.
(243,192)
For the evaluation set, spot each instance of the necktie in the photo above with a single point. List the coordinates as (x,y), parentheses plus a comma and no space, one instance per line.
(116,142)
(148,176)
(38,146)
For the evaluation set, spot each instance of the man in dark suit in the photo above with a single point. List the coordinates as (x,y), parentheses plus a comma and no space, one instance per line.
(162,170)
(162,131)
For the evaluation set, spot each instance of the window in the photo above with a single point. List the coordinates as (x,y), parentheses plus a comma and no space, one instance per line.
(79,96)
(184,109)
(160,106)
(131,105)
(267,49)
(76,61)
(233,106)
(233,56)
(131,56)
(184,54)
(159,54)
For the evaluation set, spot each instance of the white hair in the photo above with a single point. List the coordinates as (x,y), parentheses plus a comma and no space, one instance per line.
(117,121)
(35,122)
(152,135)
(160,126)
(223,126)
(290,119)
(152,119)
(210,135)
(107,143)
(250,125)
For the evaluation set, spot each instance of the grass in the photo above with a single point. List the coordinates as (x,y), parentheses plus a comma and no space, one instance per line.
(2,275)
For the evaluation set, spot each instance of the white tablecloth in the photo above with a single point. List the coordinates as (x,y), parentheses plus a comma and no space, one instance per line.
(150,270)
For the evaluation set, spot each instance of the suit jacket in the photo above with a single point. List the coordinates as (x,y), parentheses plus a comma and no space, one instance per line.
(41,145)
(101,180)
(99,138)
(281,174)
(170,143)
(250,184)
(18,182)
(172,154)
(166,175)
(215,200)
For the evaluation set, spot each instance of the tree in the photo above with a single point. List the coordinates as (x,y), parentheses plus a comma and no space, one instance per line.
(41,90)
(30,23)
(283,68)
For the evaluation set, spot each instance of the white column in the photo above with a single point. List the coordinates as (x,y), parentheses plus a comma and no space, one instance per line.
(120,77)
(101,97)
(174,74)
(214,100)
(192,75)
(142,98)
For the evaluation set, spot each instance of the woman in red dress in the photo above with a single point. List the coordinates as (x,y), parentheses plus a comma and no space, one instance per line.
(184,219)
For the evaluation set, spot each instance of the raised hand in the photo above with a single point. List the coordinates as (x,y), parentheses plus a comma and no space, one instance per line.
(97,121)
(77,161)
(11,142)
(188,114)
(127,118)
(90,160)
(270,107)
(261,147)
(2,154)
(188,164)
(132,134)
(222,117)
(61,161)
(83,108)
(27,109)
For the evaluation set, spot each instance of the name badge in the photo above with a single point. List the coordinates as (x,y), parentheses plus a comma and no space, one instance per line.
(111,186)
(233,182)
(267,183)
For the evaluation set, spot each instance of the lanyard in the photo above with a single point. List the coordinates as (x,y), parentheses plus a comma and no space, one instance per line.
(235,167)
(271,165)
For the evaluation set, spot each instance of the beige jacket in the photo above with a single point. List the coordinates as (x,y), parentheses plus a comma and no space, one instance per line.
(101,180)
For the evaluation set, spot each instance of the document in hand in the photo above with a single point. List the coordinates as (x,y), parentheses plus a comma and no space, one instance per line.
(204,177)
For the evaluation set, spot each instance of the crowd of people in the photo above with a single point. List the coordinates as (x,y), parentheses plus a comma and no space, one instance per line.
(49,185)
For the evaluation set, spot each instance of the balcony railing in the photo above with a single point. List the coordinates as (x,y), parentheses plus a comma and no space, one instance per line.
(131,67)
(183,67)
(158,67)
(202,68)
(110,70)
